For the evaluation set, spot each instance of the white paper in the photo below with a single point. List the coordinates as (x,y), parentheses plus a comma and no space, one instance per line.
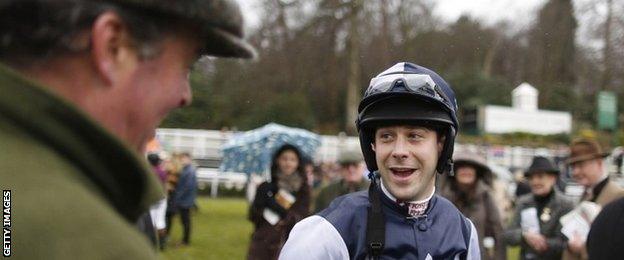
(284,199)
(271,216)
(578,221)
(529,221)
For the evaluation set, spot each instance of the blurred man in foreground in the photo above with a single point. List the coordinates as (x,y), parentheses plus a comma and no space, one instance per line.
(84,85)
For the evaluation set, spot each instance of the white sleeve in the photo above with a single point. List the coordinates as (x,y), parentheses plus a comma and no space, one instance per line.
(314,238)
(473,244)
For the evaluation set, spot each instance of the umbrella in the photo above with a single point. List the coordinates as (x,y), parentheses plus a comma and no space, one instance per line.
(251,152)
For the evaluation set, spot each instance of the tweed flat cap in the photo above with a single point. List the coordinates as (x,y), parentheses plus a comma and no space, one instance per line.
(221,22)
(350,156)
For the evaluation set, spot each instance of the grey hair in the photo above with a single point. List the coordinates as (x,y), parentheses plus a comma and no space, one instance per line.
(35,30)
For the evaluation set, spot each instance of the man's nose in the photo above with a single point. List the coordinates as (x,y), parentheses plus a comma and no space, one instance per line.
(186,94)
(400,149)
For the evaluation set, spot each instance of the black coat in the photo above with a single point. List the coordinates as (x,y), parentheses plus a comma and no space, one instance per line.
(558,205)
(267,239)
(606,236)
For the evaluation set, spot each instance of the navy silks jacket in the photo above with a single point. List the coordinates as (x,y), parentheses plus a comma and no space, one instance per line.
(339,232)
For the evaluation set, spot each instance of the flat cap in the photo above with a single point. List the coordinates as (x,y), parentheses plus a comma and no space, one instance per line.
(350,156)
(220,21)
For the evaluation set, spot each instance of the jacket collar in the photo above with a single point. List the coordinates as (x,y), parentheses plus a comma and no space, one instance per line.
(120,175)
(392,203)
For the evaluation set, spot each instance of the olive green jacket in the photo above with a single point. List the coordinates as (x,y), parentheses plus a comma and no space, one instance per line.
(76,191)
(334,190)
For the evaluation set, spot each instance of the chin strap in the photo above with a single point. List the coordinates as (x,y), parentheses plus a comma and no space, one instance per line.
(376,225)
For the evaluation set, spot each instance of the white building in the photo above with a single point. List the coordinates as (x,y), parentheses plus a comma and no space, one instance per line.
(523,116)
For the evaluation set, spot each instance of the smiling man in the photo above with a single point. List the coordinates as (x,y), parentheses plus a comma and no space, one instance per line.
(84,84)
(407,127)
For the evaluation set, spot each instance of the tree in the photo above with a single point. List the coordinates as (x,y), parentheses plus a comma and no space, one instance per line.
(552,50)
(353,78)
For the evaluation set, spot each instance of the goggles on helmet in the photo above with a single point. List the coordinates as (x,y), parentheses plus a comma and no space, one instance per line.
(421,84)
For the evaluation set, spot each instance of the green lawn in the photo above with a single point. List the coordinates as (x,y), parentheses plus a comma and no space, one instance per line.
(513,253)
(220,230)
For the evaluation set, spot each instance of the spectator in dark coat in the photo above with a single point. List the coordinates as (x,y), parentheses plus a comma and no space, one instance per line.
(545,241)
(470,191)
(184,196)
(287,176)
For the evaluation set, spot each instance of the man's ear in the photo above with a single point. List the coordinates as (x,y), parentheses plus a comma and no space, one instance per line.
(110,43)
(441,142)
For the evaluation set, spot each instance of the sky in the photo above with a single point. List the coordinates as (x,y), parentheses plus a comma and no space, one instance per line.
(521,14)
(489,11)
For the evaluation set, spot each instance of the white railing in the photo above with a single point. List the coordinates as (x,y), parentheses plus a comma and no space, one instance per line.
(213,177)
(206,145)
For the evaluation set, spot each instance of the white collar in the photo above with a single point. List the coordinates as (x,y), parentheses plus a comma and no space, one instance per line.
(385,191)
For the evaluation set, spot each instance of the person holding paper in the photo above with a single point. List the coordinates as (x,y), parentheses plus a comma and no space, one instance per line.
(278,204)
(588,170)
(536,226)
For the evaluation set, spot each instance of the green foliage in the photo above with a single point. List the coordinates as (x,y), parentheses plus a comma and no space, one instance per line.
(291,109)
(474,89)
(300,78)
(518,139)
(197,115)
(552,45)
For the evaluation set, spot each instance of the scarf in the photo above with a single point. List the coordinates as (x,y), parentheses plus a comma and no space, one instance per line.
(291,183)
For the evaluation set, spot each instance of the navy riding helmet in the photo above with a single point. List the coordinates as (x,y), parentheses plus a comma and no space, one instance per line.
(407,93)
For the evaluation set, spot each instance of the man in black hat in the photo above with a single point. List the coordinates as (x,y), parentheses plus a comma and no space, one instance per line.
(84,84)
(536,226)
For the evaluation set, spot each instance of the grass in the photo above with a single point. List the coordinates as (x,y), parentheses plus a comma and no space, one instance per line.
(513,253)
(220,230)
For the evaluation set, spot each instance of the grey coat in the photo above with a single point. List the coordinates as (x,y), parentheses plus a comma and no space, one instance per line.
(559,205)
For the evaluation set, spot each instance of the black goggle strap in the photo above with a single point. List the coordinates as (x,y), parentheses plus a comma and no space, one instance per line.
(447,154)
(376,225)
